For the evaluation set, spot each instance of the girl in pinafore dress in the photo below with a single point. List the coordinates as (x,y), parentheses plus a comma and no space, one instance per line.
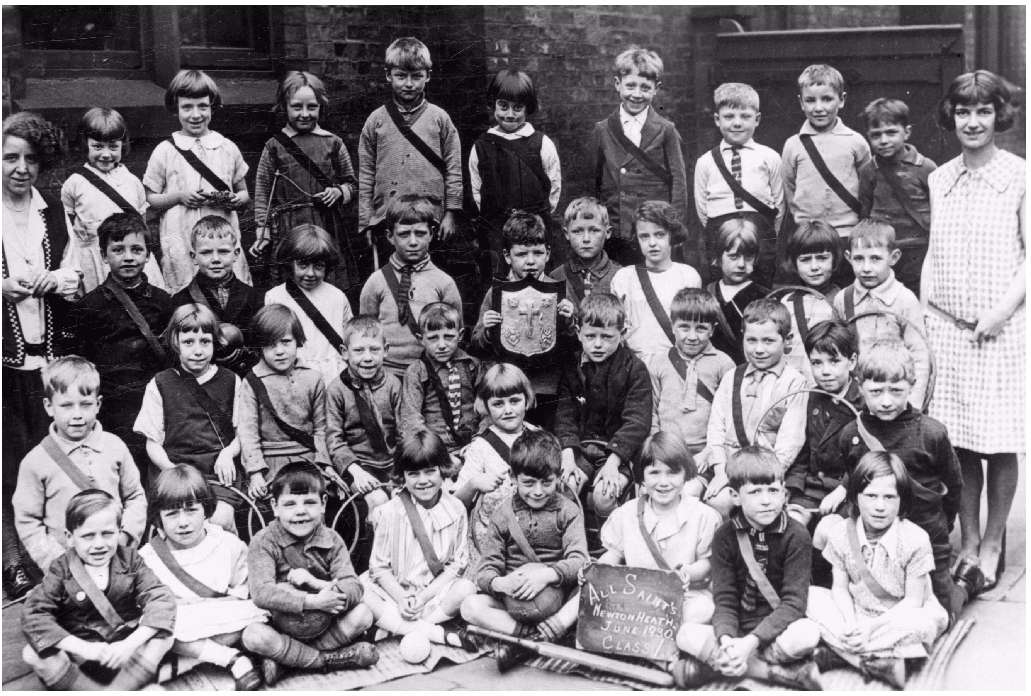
(406,590)
(974,275)
(305,174)
(176,186)
(105,138)
(206,569)
(503,395)
(880,610)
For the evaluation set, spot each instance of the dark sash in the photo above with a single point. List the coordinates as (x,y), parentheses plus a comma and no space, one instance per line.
(745,546)
(498,444)
(739,421)
(653,303)
(394,285)
(843,193)
(96,597)
(436,567)
(317,318)
(412,137)
(535,167)
(306,440)
(108,190)
(197,295)
(575,282)
(445,404)
(216,415)
(73,472)
(850,302)
(680,365)
(307,624)
(616,129)
(305,162)
(739,190)
(721,318)
(895,184)
(653,548)
(372,428)
(876,589)
(160,547)
(202,169)
(803,323)
(137,318)
(517,532)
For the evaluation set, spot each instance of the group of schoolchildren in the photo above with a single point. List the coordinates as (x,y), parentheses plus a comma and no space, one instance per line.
(691,398)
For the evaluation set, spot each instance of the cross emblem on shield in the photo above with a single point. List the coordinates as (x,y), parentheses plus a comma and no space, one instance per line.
(529,317)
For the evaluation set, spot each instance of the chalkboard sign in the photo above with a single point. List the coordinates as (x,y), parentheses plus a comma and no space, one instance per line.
(630,611)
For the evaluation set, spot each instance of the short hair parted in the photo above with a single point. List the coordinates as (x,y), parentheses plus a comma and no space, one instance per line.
(501,381)
(422,449)
(299,79)
(524,229)
(694,304)
(736,233)
(645,63)
(819,74)
(408,53)
(833,337)
(439,316)
(365,326)
(870,233)
(812,237)
(211,227)
(514,86)
(978,87)
(669,448)
(178,487)
(875,465)
(411,209)
(886,112)
(536,453)
(191,84)
(662,214)
(191,317)
(298,478)
(586,208)
(753,464)
(84,504)
(273,322)
(736,95)
(43,137)
(60,375)
(118,226)
(103,125)
(763,310)
(308,243)
(602,310)
(886,361)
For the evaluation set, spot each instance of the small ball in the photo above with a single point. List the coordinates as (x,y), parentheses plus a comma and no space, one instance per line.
(415,648)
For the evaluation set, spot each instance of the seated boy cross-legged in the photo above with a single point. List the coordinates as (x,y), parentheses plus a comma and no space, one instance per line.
(605,394)
(532,551)
(301,571)
(752,406)
(760,583)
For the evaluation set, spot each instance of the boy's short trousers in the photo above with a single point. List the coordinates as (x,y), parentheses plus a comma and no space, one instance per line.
(381,471)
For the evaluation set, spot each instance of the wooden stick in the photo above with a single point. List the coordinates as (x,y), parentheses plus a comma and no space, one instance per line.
(581,657)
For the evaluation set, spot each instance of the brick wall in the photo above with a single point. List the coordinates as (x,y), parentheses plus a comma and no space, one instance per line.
(841,16)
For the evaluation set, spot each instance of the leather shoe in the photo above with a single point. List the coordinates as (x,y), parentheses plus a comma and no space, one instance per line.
(271,671)
(508,655)
(891,670)
(803,675)
(826,659)
(249,680)
(17,581)
(691,673)
(357,656)
(969,577)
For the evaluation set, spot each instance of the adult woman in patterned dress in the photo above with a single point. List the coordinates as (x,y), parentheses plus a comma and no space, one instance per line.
(974,276)
(40,268)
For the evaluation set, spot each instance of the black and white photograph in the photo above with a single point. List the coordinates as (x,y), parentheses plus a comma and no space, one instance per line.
(514,347)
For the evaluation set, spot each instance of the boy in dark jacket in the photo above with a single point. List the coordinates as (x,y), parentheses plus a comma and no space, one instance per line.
(760,585)
(605,394)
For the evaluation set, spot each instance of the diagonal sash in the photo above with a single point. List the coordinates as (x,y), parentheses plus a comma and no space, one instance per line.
(306,440)
(73,472)
(517,532)
(305,162)
(498,444)
(138,320)
(653,548)
(616,129)
(745,546)
(653,303)
(821,166)
(681,367)
(535,167)
(741,192)
(436,567)
(735,400)
(445,404)
(895,184)
(317,317)
(160,547)
(394,285)
(803,323)
(96,596)
(107,189)
(372,426)
(876,589)
(413,138)
(205,172)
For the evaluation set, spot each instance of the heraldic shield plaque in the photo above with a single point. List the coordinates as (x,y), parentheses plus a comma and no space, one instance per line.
(528,332)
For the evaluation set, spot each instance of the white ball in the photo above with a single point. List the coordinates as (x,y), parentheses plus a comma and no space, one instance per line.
(415,647)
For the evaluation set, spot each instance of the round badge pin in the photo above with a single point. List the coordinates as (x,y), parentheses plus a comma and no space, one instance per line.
(855,441)
(81,597)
